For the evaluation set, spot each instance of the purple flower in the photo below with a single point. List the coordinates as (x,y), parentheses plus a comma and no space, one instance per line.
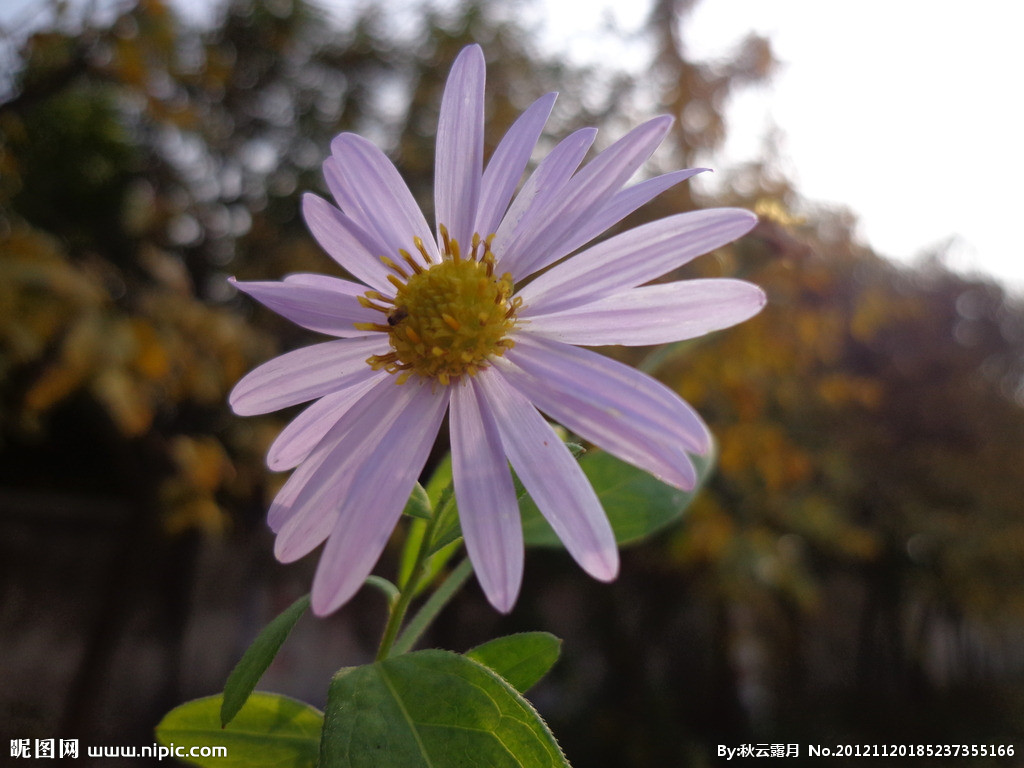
(445,322)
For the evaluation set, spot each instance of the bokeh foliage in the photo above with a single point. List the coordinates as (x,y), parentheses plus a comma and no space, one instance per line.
(863,533)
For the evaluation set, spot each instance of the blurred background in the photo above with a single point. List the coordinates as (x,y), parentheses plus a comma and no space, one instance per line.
(854,573)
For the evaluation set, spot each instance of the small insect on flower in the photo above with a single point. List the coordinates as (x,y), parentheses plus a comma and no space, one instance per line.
(442,321)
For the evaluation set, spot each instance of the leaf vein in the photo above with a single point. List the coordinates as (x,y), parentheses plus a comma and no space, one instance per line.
(405,714)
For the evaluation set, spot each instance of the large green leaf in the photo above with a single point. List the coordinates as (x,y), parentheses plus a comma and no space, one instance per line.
(636,503)
(257,658)
(432,709)
(270,731)
(521,659)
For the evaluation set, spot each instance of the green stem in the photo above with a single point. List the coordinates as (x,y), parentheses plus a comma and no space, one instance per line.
(398,608)
(421,569)
(419,623)
(396,616)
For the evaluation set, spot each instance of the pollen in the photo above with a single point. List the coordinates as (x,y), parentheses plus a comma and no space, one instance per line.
(447,319)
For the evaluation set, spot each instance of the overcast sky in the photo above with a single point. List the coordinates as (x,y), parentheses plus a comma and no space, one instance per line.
(908,112)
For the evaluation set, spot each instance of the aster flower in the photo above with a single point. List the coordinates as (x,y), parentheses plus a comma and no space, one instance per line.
(444,322)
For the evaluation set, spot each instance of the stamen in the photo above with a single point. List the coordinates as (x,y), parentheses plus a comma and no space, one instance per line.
(447,318)
(445,239)
(418,242)
(411,261)
(365,302)
(371,327)
(394,267)
(376,362)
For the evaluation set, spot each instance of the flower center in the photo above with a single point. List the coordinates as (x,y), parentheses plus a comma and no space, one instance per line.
(447,319)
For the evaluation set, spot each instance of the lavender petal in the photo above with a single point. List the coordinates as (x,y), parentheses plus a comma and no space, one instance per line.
(459,151)
(552,477)
(653,314)
(633,258)
(305,374)
(488,511)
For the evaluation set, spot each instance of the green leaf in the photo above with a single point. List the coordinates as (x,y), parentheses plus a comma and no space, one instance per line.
(440,481)
(419,505)
(270,731)
(445,536)
(522,660)
(441,494)
(257,658)
(636,503)
(437,562)
(575,449)
(432,709)
(448,530)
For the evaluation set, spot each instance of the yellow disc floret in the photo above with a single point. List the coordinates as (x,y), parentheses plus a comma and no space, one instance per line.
(446,319)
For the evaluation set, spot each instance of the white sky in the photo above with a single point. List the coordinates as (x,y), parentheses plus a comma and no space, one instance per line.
(908,112)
